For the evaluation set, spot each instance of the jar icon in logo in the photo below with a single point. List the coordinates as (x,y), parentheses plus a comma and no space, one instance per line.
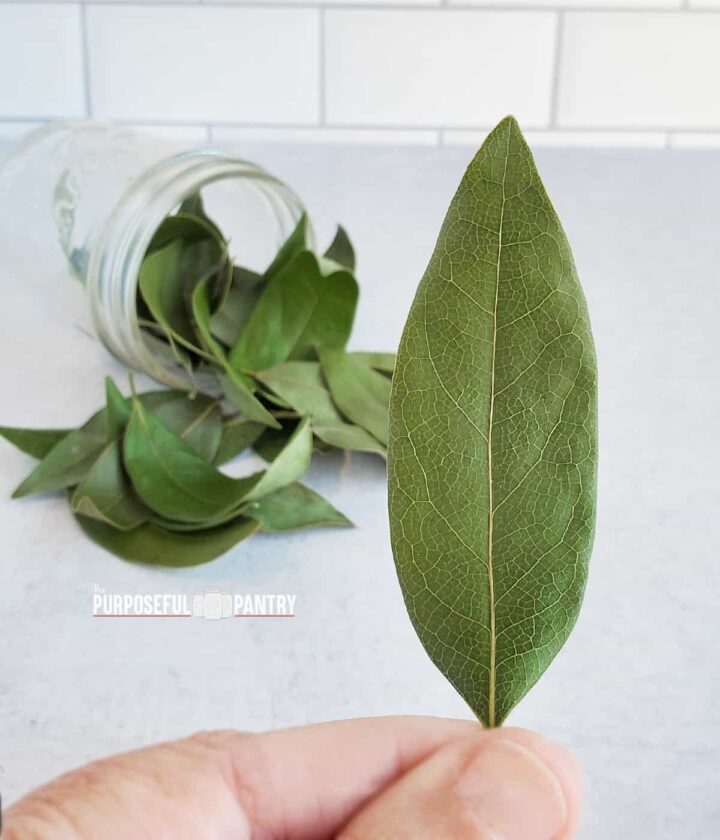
(213,604)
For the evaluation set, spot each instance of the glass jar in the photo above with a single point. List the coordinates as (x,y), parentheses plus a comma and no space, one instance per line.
(108,188)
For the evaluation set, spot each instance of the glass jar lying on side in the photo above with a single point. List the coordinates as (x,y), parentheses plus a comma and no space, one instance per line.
(111,187)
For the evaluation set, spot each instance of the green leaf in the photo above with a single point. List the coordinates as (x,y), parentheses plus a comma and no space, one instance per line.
(301,385)
(346,436)
(341,250)
(272,442)
(197,420)
(237,435)
(193,205)
(228,320)
(493,440)
(331,319)
(234,385)
(153,544)
(384,362)
(237,391)
(279,317)
(34,442)
(361,393)
(171,479)
(295,244)
(68,461)
(185,226)
(289,465)
(295,506)
(162,286)
(105,492)
(117,411)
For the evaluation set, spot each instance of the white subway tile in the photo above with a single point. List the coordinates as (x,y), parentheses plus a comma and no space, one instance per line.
(193,134)
(644,70)
(427,68)
(204,63)
(349,136)
(573,4)
(12,131)
(322,2)
(695,140)
(569,139)
(41,71)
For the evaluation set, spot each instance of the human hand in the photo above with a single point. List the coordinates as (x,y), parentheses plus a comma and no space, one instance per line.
(392,778)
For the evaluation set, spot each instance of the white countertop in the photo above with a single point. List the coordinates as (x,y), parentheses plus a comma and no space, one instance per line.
(634,692)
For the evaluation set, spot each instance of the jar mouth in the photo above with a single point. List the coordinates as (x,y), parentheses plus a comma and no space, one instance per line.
(114,264)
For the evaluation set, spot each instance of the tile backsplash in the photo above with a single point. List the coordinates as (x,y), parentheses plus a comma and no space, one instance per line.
(640,73)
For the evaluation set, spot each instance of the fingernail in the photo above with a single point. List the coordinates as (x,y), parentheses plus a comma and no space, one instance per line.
(511,791)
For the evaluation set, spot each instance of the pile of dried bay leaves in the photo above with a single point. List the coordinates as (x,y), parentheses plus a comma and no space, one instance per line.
(267,369)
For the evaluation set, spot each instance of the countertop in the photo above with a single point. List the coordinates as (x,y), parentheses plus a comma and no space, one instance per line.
(634,691)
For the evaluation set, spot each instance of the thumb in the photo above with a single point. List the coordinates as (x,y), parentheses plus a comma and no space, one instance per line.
(505,784)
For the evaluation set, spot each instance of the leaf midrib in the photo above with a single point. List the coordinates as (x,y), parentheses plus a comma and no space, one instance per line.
(491,512)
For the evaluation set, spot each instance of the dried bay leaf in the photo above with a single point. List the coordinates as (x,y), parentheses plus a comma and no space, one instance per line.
(106,494)
(171,479)
(279,317)
(151,543)
(493,436)
(34,442)
(361,393)
(341,250)
(237,435)
(301,384)
(295,506)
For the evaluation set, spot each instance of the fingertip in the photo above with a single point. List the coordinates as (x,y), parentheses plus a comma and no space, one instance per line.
(560,761)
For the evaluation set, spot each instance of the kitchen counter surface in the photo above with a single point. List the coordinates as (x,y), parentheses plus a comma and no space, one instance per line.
(634,692)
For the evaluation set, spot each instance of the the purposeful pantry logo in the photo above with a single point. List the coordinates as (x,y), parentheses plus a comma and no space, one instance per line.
(210,603)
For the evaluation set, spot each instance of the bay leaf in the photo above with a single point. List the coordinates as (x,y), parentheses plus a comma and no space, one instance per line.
(228,320)
(295,506)
(162,286)
(279,317)
(301,384)
(69,460)
(348,436)
(185,226)
(289,465)
(341,250)
(153,544)
(237,435)
(384,362)
(34,442)
(117,411)
(331,319)
(105,493)
(361,393)
(171,479)
(272,442)
(237,388)
(295,244)
(493,437)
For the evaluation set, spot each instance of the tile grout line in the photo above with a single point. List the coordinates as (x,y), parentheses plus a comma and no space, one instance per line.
(87,91)
(557,68)
(10,119)
(630,7)
(321,67)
